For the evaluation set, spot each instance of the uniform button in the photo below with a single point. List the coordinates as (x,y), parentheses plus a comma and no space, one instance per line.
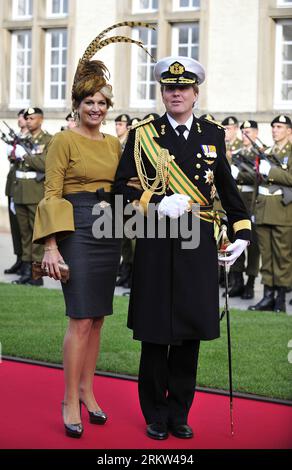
(197,177)
(198,165)
(199,155)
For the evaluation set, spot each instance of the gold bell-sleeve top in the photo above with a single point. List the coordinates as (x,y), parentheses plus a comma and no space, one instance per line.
(74,163)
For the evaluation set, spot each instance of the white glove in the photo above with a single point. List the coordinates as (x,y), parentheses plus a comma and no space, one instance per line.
(264,167)
(234,171)
(173,206)
(12,206)
(235,249)
(19,152)
(9,149)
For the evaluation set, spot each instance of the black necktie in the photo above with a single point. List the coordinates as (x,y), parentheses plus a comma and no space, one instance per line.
(181,130)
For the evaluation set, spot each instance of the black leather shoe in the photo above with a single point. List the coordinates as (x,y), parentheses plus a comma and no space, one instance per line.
(248,291)
(157,431)
(35,282)
(280,301)
(95,417)
(237,285)
(267,302)
(183,431)
(72,430)
(15,268)
(25,273)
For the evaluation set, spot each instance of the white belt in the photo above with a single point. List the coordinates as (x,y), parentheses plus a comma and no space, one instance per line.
(245,188)
(265,191)
(26,175)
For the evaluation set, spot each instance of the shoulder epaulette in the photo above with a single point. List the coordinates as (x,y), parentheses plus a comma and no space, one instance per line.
(142,123)
(215,123)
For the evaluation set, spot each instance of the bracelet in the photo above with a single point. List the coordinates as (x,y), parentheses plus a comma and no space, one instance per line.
(51,248)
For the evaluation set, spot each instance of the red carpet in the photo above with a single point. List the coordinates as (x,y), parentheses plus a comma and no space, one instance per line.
(30,410)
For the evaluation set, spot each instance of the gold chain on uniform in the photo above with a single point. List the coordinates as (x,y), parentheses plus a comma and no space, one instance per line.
(159,183)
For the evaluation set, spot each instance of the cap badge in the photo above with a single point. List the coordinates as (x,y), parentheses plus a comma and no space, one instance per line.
(30,111)
(282,118)
(231,121)
(246,124)
(176,68)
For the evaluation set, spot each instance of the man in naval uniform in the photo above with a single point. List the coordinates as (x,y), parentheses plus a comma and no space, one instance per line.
(246,180)
(29,190)
(273,214)
(174,301)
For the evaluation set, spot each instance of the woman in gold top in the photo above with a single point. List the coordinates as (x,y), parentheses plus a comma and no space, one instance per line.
(80,168)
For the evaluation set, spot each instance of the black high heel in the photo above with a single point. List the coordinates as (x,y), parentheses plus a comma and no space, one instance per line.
(72,430)
(95,417)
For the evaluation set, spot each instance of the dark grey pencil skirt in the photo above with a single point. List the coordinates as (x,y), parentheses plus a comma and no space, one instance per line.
(93,262)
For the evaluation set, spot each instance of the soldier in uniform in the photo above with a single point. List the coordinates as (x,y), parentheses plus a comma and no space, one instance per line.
(14,227)
(232,141)
(71,121)
(29,190)
(174,301)
(273,214)
(246,180)
(122,128)
(122,123)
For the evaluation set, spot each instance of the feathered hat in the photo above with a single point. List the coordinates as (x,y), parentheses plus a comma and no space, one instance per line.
(94,71)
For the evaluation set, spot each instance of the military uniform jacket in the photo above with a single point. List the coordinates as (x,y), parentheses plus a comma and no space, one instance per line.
(270,209)
(174,293)
(10,182)
(31,191)
(246,178)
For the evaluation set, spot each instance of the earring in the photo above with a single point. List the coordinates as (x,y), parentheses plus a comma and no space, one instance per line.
(76,117)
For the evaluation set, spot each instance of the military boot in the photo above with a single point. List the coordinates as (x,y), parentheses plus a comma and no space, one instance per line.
(35,282)
(25,273)
(267,302)
(248,292)
(15,268)
(280,301)
(237,286)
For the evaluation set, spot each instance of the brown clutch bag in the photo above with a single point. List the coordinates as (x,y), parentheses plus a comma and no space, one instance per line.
(38,271)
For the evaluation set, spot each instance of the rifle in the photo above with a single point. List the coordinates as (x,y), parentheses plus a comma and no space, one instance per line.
(242,162)
(17,140)
(5,138)
(286,190)
(261,153)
